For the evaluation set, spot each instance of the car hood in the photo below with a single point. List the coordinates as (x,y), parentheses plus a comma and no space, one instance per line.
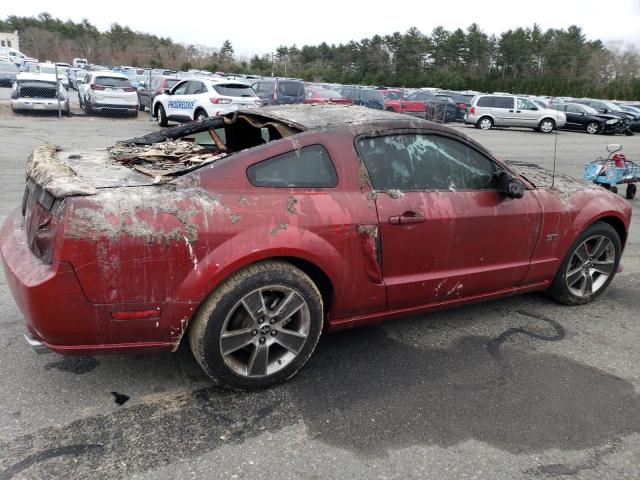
(544,179)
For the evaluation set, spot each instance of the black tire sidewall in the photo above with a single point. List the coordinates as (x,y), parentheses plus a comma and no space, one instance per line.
(559,289)
(211,337)
(162,116)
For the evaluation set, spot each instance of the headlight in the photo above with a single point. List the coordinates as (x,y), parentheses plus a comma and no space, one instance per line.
(611,121)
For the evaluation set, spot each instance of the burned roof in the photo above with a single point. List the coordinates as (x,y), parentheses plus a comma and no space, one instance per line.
(321,116)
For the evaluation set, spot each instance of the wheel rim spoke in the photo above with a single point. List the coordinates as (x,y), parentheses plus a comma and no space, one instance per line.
(604,268)
(235,340)
(573,276)
(582,253)
(254,304)
(587,286)
(292,341)
(598,250)
(259,360)
(290,305)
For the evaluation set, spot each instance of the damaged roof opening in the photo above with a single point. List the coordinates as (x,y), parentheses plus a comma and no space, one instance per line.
(180,149)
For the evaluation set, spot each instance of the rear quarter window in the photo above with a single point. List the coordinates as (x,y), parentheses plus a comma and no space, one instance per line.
(308,167)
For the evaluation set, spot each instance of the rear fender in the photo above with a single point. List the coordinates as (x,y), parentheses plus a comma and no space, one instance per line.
(250,247)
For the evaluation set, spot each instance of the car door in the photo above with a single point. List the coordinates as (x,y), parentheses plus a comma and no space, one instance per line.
(445,230)
(527,113)
(191,99)
(575,116)
(415,104)
(175,101)
(503,111)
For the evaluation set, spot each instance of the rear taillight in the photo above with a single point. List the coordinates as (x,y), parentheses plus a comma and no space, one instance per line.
(472,110)
(129,89)
(220,100)
(42,233)
(97,87)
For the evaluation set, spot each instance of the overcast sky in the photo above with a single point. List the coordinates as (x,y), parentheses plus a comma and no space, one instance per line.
(259,27)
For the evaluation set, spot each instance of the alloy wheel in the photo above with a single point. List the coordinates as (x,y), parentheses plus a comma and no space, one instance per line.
(265,331)
(590,266)
(592,128)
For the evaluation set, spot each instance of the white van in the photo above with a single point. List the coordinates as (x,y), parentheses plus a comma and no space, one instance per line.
(79,62)
(15,56)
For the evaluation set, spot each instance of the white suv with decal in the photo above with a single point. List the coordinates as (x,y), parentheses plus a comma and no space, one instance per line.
(199,98)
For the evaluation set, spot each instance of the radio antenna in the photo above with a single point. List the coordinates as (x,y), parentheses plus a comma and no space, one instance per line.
(555,154)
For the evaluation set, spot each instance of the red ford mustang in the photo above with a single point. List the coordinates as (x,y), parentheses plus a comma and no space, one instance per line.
(252,233)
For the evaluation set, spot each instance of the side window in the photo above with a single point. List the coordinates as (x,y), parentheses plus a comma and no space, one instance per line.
(412,162)
(181,88)
(502,102)
(573,109)
(195,88)
(413,96)
(524,104)
(309,167)
(485,102)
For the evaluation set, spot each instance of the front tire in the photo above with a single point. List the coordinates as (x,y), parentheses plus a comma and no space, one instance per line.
(588,267)
(259,327)
(546,125)
(162,116)
(592,128)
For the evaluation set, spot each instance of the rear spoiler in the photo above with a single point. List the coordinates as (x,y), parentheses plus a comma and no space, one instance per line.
(55,177)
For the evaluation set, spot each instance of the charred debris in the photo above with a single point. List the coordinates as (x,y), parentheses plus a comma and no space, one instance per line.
(178,150)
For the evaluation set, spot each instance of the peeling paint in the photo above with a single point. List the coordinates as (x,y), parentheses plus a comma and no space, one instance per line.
(394,193)
(291,205)
(277,228)
(235,218)
(370,230)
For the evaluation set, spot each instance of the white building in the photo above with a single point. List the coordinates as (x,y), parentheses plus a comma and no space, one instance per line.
(10,40)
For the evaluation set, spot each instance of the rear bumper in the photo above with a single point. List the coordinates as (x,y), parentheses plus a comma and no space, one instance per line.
(57,313)
(51,105)
(130,107)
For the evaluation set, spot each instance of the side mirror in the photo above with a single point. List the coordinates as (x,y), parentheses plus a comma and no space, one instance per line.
(535,108)
(606,110)
(167,91)
(510,186)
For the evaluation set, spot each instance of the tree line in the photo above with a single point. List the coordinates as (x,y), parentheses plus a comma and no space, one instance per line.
(521,60)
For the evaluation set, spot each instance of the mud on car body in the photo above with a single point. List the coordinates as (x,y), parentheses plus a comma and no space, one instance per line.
(249,234)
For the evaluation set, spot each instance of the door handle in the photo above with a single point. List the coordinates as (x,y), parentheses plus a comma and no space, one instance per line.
(510,111)
(518,111)
(406,217)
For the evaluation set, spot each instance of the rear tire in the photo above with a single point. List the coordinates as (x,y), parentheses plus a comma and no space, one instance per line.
(232,334)
(162,116)
(485,123)
(588,267)
(200,115)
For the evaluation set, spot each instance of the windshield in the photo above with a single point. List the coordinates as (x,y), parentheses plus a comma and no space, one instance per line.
(294,89)
(392,95)
(234,90)
(114,82)
(8,67)
(612,106)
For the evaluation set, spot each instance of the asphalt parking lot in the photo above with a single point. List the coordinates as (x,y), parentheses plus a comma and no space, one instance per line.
(467,393)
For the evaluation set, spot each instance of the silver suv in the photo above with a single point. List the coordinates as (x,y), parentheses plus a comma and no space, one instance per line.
(487,111)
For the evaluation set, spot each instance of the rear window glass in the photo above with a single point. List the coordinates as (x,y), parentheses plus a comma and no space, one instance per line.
(293,89)
(309,167)
(113,82)
(234,90)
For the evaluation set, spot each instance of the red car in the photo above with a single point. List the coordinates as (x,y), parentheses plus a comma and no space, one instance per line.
(248,235)
(323,95)
(424,104)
